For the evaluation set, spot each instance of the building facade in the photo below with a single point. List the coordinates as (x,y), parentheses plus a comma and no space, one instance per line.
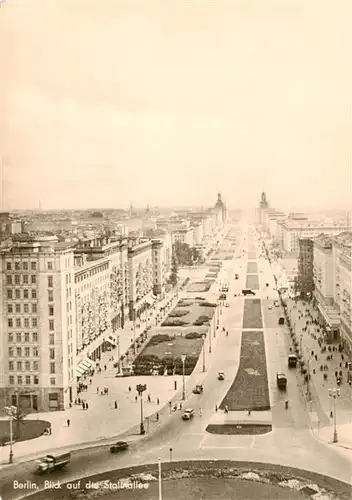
(323,286)
(62,305)
(305,267)
(342,282)
(292,231)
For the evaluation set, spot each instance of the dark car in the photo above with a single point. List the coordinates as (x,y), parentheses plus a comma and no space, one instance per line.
(119,446)
(248,292)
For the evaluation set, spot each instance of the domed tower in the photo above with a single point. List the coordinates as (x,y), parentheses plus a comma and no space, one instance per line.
(263,202)
(220,205)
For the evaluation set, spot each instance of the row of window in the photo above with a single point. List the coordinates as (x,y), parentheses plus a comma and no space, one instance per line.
(25,266)
(20,351)
(27,379)
(17,295)
(26,366)
(19,337)
(16,279)
(17,323)
(16,308)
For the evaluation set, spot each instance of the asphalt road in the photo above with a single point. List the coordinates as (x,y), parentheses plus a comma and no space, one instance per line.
(290,443)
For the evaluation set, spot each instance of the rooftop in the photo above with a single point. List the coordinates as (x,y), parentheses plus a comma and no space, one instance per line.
(344,238)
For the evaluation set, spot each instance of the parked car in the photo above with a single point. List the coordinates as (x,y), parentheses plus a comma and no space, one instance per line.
(221,376)
(188,414)
(119,446)
(248,292)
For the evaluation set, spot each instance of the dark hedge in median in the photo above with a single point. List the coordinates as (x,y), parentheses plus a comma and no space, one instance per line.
(252,314)
(249,390)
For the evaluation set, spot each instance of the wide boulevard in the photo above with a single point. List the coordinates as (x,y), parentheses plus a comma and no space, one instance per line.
(290,443)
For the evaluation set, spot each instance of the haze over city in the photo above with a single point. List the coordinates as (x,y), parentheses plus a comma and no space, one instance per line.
(107,103)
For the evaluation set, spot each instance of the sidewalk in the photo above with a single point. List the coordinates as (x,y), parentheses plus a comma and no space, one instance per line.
(321,402)
(101,420)
(102,423)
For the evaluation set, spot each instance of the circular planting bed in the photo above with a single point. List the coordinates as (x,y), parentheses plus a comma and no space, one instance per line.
(203,480)
(25,430)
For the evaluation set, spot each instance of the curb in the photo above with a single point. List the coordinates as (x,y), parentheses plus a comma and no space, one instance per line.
(124,434)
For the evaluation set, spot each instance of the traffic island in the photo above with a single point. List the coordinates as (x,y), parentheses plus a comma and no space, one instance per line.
(23,430)
(252,314)
(252,268)
(252,281)
(249,390)
(239,429)
(201,480)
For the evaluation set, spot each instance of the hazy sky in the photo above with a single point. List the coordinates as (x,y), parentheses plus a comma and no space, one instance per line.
(108,102)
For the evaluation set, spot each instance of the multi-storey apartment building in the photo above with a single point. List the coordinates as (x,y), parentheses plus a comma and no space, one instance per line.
(60,306)
(293,230)
(342,284)
(305,267)
(140,267)
(323,285)
(37,355)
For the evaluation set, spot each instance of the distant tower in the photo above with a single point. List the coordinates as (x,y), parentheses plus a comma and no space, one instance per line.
(263,202)
(263,206)
(220,205)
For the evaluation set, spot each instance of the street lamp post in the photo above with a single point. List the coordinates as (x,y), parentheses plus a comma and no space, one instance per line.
(183,359)
(159,480)
(11,412)
(134,332)
(118,355)
(204,337)
(140,389)
(334,393)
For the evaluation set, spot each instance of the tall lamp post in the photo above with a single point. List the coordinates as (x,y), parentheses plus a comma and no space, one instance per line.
(334,393)
(183,359)
(204,337)
(159,480)
(11,411)
(140,389)
(134,332)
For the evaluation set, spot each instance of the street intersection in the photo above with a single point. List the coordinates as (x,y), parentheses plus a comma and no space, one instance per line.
(289,443)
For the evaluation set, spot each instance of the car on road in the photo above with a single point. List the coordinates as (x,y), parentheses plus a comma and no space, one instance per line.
(198,389)
(221,376)
(119,446)
(227,304)
(236,276)
(248,292)
(276,303)
(270,306)
(188,414)
(281,381)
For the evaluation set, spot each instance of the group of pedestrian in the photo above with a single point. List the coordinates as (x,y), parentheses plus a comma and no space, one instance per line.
(103,392)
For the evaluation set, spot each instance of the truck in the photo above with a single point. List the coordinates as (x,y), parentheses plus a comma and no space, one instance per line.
(53,462)
(292,360)
(281,381)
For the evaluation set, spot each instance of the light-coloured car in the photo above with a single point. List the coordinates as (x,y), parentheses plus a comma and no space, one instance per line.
(270,306)
(227,304)
(188,414)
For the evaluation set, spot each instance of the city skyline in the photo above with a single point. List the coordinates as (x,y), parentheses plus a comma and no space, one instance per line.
(202,98)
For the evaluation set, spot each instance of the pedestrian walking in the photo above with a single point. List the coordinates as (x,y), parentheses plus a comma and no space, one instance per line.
(216,408)
(86,406)
(249,412)
(105,367)
(68,421)
(157,401)
(115,405)
(149,399)
(157,417)
(83,405)
(129,388)
(200,412)
(135,398)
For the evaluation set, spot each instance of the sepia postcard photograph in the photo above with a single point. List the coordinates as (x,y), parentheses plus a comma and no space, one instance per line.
(175,249)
